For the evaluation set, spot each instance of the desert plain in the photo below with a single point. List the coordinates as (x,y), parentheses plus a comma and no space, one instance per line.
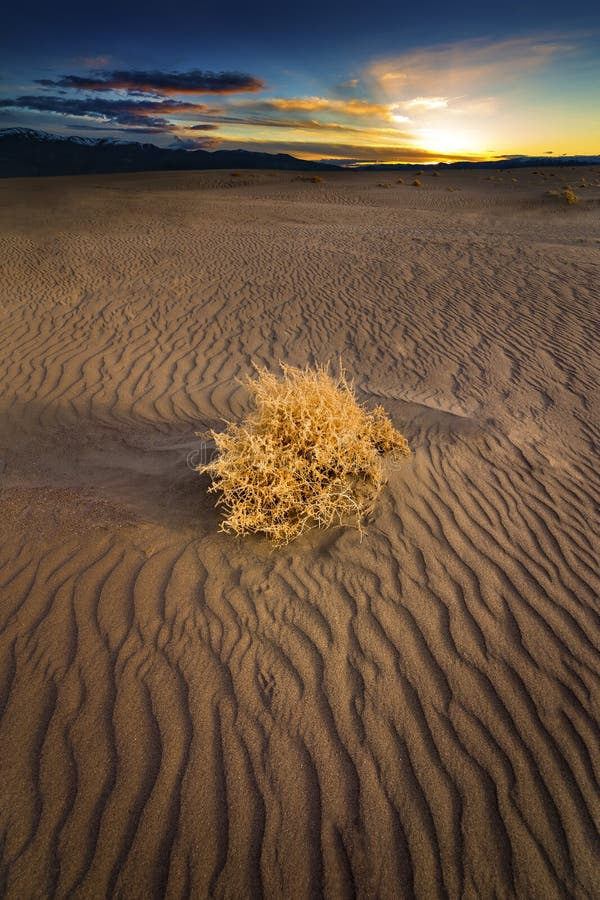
(410,712)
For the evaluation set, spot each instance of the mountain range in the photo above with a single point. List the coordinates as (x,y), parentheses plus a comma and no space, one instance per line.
(27,152)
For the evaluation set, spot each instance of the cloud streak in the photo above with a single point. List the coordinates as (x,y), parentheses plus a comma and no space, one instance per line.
(195,81)
(122,112)
(353,107)
(464,67)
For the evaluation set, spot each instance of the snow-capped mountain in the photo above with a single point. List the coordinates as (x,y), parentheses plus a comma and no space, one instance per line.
(26,151)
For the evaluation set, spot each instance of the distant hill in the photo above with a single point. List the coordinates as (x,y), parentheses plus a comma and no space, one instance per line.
(511,162)
(25,152)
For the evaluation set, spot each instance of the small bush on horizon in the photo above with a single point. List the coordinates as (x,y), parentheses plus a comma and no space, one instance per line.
(416,183)
(307,455)
(400,181)
(566,194)
(312,179)
(570,196)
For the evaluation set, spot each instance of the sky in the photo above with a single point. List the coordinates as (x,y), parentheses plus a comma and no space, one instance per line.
(349,82)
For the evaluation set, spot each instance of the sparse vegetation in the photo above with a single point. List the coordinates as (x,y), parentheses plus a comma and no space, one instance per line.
(307,455)
(313,179)
(236,174)
(436,174)
(416,183)
(566,194)
(570,196)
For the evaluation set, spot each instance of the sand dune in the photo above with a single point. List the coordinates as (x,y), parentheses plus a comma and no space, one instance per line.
(410,715)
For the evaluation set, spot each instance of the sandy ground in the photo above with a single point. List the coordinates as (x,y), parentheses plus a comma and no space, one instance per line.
(184,714)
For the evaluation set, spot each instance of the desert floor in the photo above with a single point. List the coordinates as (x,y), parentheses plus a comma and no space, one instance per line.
(187,714)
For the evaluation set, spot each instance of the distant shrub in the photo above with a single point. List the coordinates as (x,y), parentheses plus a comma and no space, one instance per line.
(383,184)
(400,181)
(514,180)
(566,194)
(416,183)
(308,455)
(236,174)
(312,179)
(570,196)
(436,174)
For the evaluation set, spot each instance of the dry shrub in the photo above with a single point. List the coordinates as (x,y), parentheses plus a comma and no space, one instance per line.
(313,179)
(566,194)
(416,183)
(307,455)
(400,181)
(236,174)
(436,174)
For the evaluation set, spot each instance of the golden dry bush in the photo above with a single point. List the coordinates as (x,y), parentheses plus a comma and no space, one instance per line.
(313,179)
(570,196)
(416,183)
(400,181)
(307,455)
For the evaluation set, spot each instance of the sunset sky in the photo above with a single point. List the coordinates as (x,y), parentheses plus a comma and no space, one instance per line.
(375,81)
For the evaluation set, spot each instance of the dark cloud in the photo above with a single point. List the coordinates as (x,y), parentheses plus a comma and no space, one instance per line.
(310,124)
(354,152)
(193,82)
(145,113)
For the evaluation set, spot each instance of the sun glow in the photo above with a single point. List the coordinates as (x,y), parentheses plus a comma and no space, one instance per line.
(450,140)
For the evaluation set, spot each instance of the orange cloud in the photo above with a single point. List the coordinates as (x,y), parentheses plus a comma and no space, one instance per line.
(353,107)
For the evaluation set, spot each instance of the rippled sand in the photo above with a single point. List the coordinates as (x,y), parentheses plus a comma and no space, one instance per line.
(186,714)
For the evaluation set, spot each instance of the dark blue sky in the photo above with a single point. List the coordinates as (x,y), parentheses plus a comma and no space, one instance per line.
(451,57)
